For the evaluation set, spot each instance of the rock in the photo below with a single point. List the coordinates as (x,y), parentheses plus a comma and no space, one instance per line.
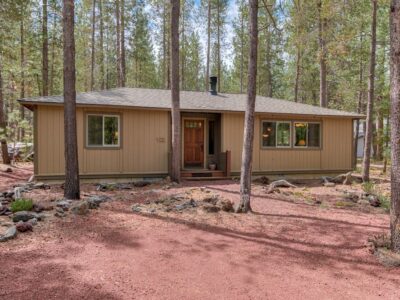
(211,208)
(10,234)
(23,216)
(8,170)
(4,210)
(23,226)
(363,202)
(137,208)
(351,196)
(213,199)
(141,183)
(31,179)
(64,204)
(329,184)
(225,205)
(60,214)
(95,200)
(18,192)
(374,201)
(33,221)
(81,208)
(37,208)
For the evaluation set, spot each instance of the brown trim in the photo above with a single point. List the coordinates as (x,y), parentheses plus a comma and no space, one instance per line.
(104,176)
(299,172)
(119,107)
(117,113)
(35,141)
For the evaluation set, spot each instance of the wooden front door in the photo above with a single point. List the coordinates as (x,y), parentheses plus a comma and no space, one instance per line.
(194,143)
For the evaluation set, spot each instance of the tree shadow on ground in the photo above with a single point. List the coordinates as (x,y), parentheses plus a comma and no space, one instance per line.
(29,274)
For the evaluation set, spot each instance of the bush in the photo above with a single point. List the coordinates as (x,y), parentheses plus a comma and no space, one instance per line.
(368,187)
(21,204)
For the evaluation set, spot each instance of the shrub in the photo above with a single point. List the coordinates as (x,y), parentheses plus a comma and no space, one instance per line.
(21,204)
(368,187)
(385,202)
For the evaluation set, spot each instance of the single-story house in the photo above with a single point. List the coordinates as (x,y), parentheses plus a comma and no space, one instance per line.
(126,133)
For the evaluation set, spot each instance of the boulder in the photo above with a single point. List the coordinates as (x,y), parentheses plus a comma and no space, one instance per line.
(64,204)
(23,216)
(141,183)
(374,201)
(137,208)
(10,234)
(95,200)
(18,192)
(363,202)
(24,226)
(81,208)
(38,207)
(33,221)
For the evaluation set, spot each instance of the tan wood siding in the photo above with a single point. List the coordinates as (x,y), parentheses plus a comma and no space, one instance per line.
(335,153)
(144,143)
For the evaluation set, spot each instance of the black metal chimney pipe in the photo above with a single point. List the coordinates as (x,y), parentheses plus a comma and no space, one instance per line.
(213,85)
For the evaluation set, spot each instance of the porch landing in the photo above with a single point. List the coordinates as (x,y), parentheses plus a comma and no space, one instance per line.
(203,174)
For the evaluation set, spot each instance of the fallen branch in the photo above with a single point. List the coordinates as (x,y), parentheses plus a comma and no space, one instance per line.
(279,183)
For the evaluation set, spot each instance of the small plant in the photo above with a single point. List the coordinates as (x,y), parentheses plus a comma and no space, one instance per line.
(368,187)
(385,202)
(21,204)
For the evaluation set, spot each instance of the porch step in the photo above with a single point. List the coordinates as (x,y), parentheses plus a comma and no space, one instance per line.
(202,173)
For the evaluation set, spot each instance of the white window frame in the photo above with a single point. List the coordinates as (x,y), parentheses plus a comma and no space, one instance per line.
(103,145)
(306,147)
(276,134)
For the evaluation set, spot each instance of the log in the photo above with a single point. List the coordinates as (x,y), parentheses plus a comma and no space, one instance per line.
(279,183)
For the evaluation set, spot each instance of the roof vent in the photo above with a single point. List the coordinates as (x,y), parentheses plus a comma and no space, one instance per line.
(213,85)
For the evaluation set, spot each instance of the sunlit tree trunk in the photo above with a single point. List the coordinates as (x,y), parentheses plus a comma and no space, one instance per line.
(118,33)
(93,46)
(175,111)
(371,91)
(247,153)
(323,87)
(23,62)
(123,62)
(208,45)
(395,123)
(101,46)
(71,186)
(45,52)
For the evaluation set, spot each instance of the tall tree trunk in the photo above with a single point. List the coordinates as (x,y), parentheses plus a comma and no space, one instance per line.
(3,123)
(53,54)
(219,45)
(379,130)
(164,73)
(175,111)
(183,53)
(101,46)
(395,122)
(123,63)
(247,153)
(117,19)
(93,45)
(323,88)
(371,91)
(387,140)
(71,186)
(208,46)
(360,104)
(268,89)
(23,62)
(298,54)
(241,45)
(45,52)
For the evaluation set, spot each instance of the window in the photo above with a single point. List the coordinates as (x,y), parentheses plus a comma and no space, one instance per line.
(211,138)
(276,134)
(103,130)
(307,135)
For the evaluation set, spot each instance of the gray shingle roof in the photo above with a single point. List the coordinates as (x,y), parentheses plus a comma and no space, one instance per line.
(190,101)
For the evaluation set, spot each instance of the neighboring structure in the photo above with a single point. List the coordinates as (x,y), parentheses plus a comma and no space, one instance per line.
(125,133)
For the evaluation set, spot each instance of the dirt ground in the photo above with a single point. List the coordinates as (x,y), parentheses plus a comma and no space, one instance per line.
(291,247)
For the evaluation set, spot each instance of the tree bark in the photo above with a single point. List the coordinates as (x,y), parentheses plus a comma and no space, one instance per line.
(371,91)
(93,46)
(45,52)
(208,46)
(117,18)
(183,53)
(23,63)
(101,46)
(323,88)
(247,153)
(123,62)
(175,111)
(3,123)
(241,46)
(219,46)
(53,54)
(379,130)
(395,123)
(71,187)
